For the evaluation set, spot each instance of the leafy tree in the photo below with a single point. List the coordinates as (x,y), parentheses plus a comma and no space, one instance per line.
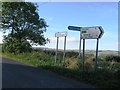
(23,20)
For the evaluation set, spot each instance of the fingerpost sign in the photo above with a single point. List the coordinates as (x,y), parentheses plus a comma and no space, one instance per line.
(94,32)
(60,34)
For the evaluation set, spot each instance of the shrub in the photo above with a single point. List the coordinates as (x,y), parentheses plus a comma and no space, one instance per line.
(14,45)
(117,74)
(99,59)
(88,66)
(72,63)
(71,54)
(112,58)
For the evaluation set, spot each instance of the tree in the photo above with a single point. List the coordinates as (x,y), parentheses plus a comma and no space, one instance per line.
(23,20)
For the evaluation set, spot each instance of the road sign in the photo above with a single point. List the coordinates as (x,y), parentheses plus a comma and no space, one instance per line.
(74,28)
(91,32)
(60,34)
(95,32)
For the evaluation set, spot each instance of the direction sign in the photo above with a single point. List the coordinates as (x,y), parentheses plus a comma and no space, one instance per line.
(60,34)
(91,32)
(74,28)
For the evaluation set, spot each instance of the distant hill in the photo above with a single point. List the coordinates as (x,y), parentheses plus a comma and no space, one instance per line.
(101,52)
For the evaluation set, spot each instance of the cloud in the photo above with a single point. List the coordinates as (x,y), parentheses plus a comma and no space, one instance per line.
(61,39)
(72,39)
(50,19)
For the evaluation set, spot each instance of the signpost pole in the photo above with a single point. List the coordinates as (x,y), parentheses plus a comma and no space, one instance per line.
(96,61)
(56,49)
(64,50)
(80,46)
(83,55)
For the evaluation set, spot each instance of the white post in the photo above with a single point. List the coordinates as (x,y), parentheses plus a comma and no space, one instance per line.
(56,49)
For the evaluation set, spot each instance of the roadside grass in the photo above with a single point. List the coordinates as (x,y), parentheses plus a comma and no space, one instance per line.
(107,75)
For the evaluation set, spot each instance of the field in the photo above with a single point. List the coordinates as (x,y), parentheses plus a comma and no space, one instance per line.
(107,75)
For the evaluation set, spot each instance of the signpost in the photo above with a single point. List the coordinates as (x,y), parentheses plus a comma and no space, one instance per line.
(60,34)
(83,55)
(95,32)
(76,29)
(92,33)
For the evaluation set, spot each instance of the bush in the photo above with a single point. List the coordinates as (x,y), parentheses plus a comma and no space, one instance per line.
(99,59)
(71,54)
(72,63)
(113,58)
(14,45)
(50,52)
(117,74)
(88,66)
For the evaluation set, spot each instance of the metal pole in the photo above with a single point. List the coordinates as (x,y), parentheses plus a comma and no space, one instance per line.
(56,49)
(80,46)
(13,25)
(64,50)
(83,55)
(96,61)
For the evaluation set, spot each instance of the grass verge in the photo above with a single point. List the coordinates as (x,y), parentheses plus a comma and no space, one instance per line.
(104,77)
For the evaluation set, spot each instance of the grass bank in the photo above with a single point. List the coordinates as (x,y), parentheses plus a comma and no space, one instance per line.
(108,73)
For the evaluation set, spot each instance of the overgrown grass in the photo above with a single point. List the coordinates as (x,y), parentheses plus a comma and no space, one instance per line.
(107,75)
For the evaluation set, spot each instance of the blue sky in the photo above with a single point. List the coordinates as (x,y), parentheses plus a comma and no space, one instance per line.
(59,15)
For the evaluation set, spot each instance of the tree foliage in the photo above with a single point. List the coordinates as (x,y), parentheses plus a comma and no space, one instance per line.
(23,20)
(13,45)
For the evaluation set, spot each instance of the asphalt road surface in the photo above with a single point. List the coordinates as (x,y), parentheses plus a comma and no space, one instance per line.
(19,75)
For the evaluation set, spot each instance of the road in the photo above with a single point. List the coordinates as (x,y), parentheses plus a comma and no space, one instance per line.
(19,75)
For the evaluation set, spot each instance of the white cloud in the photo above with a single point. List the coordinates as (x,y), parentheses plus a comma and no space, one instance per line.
(61,39)
(72,39)
(50,19)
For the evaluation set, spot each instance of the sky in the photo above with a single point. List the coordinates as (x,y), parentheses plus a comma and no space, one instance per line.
(59,15)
